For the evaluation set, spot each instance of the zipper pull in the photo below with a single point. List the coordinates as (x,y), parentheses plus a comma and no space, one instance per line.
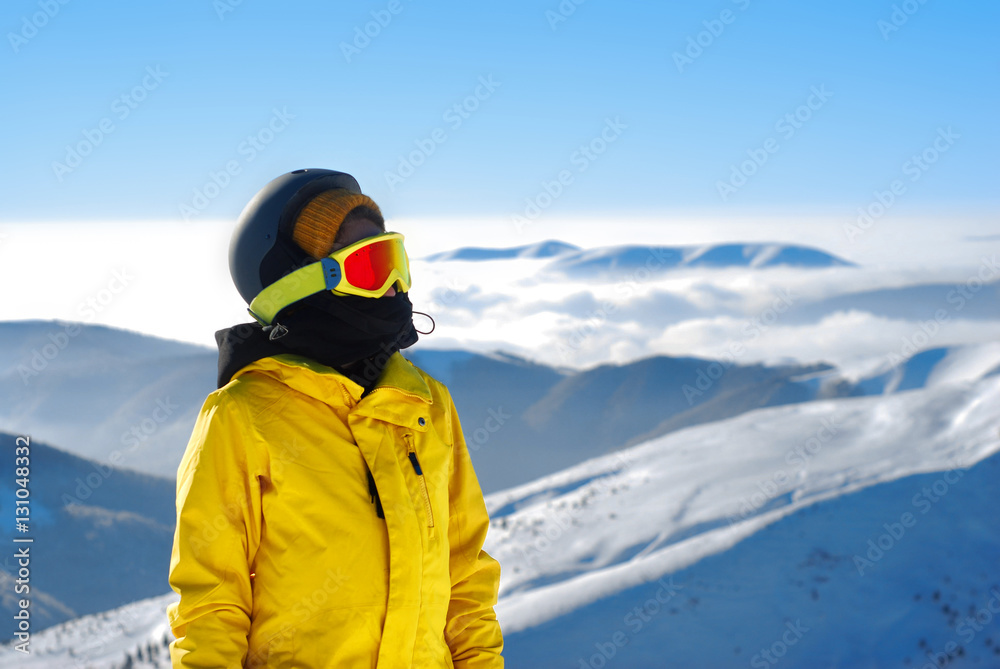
(373,494)
(416,463)
(412,456)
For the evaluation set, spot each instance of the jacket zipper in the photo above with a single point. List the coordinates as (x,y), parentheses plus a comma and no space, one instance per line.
(375,389)
(412,455)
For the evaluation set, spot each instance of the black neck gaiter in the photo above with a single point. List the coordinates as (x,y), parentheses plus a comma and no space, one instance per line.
(354,335)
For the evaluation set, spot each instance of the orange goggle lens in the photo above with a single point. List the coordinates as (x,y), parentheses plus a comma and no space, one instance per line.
(371,266)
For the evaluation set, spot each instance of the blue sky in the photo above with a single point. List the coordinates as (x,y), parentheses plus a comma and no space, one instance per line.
(211,75)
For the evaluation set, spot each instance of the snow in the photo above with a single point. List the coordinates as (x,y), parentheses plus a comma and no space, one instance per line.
(965,363)
(694,492)
(102,640)
(757,494)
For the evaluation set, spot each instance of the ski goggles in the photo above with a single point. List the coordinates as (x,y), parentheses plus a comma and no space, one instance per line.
(366,268)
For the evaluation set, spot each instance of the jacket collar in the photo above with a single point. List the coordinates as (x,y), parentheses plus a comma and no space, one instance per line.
(322,382)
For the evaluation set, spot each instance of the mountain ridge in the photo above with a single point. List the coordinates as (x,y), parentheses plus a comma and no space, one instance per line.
(575,261)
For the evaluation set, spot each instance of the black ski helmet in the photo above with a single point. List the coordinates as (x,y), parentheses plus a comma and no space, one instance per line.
(261,250)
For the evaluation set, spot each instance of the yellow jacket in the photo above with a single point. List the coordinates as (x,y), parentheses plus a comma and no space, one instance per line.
(280,556)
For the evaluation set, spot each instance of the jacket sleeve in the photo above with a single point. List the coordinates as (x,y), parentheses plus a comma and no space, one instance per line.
(472,631)
(216,539)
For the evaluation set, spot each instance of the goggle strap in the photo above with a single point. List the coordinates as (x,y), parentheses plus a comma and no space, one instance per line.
(293,287)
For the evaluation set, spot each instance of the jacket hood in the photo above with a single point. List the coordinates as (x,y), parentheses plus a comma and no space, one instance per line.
(239,346)
(324,382)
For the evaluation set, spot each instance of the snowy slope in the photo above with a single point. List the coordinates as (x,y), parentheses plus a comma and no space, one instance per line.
(102,534)
(908,368)
(577,547)
(699,490)
(102,640)
(746,529)
(810,591)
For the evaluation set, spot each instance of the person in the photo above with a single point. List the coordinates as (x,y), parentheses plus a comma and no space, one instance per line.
(328,514)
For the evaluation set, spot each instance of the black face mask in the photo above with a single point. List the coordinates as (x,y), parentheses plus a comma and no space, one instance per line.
(355,335)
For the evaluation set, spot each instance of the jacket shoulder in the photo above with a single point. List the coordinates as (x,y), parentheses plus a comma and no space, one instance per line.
(439,391)
(254,392)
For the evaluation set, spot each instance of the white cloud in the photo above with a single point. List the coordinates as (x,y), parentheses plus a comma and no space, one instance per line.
(179,286)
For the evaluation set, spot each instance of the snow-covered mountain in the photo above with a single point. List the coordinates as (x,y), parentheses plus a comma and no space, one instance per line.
(101,534)
(521,419)
(540,250)
(92,389)
(95,390)
(686,466)
(604,262)
(133,636)
(908,368)
(916,302)
(700,490)
(839,533)
(771,302)
(108,394)
(590,263)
